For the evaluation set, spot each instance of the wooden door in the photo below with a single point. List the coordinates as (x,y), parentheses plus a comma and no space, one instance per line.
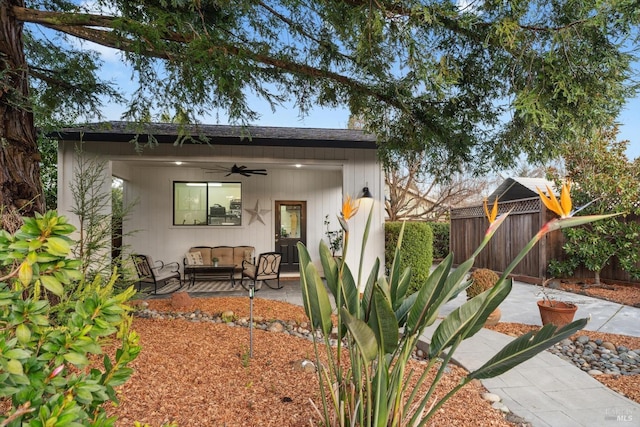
(291,228)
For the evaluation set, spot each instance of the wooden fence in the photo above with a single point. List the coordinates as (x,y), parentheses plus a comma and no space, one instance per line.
(469,224)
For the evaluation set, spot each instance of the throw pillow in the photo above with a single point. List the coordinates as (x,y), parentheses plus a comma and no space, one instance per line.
(194,258)
(248,256)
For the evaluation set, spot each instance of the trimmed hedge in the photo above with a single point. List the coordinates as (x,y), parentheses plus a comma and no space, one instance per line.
(416,250)
(440,239)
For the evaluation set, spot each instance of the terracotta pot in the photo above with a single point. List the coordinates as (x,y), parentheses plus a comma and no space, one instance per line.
(493,318)
(560,313)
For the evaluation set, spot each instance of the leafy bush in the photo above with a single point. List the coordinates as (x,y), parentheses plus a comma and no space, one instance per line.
(417,249)
(482,279)
(595,245)
(606,181)
(51,338)
(441,231)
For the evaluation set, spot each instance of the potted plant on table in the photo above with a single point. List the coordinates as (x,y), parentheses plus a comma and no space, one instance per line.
(215,262)
(483,279)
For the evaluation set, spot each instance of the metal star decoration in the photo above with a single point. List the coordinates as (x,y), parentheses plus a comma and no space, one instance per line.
(257,213)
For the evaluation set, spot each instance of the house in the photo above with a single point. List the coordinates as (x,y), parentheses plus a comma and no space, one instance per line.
(266,187)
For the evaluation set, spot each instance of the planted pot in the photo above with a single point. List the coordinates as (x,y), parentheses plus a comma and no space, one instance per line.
(494,318)
(481,280)
(556,312)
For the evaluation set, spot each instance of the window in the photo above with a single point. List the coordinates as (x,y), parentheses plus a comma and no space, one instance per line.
(207,203)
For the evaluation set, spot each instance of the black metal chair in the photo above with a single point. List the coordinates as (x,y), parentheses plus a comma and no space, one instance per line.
(267,268)
(155,273)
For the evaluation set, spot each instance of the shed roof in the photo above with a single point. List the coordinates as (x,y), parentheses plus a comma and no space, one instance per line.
(520,188)
(169,133)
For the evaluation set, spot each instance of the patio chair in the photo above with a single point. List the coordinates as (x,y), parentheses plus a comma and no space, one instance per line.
(267,268)
(157,273)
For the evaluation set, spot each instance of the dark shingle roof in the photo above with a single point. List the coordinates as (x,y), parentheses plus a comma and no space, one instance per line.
(220,134)
(520,188)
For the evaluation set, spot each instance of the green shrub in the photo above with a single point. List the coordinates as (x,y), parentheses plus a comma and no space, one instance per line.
(417,250)
(54,324)
(440,239)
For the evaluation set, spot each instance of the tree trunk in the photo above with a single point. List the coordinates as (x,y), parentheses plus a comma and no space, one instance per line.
(20,185)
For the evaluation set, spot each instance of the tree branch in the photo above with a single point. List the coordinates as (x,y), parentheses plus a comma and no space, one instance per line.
(81,26)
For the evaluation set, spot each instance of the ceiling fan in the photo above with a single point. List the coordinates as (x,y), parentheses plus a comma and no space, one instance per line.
(241,170)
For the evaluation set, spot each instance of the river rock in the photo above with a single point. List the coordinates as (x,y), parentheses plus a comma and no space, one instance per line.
(491,397)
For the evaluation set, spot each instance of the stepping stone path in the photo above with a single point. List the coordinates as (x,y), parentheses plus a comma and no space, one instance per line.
(598,357)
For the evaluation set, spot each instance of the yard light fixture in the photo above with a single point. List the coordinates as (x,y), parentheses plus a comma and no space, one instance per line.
(366,194)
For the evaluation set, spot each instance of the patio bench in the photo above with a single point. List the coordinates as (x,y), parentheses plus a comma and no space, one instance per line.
(203,256)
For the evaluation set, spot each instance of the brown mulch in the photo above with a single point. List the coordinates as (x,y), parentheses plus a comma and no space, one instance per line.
(199,374)
(628,294)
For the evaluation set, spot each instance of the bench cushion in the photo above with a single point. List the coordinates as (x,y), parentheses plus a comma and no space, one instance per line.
(194,258)
(242,253)
(223,253)
(227,255)
(205,251)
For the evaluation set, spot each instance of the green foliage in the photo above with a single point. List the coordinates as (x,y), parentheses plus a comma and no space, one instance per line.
(457,67)
(481,280)
(606,181)
(334,237)
(381,322)
(441,232)
(100,215)
(49,170)
(417,249)
(595,245)
(54,369)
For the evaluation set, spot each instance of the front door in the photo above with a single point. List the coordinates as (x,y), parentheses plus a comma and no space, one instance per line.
(291,228)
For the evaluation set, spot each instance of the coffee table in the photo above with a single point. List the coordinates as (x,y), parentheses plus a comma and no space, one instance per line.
(210,271)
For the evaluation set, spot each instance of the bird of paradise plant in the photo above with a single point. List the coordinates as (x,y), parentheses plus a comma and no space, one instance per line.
(381,324)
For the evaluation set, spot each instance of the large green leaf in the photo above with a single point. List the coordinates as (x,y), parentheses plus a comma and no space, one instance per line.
(368,290)
(434,282)
(400,293)
(380,395)
(438,292)
(57,246)
(362,334)
(394,271)
(525,347)
(314,295)
(453,284)
(455,324)
(383,321)
(350,293)
(329,266)
(495,296)
(52,284)
(403,310)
